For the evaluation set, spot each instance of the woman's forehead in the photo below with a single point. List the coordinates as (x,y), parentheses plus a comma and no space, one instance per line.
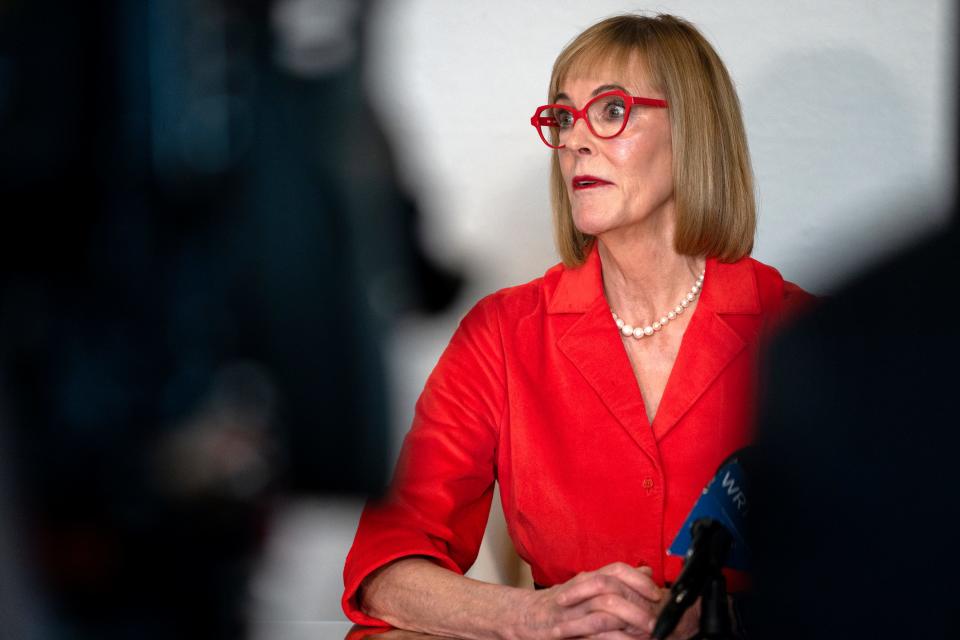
(630,74)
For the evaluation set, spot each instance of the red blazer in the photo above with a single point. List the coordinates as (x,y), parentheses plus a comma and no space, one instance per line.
(535,391)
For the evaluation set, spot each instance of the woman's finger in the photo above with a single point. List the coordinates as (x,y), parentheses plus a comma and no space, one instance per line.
(639,616)
(616,578)
(614,635)
(590,586)
(591,624)
(639,579)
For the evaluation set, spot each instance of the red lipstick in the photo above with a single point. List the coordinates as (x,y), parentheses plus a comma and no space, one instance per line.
(588,182)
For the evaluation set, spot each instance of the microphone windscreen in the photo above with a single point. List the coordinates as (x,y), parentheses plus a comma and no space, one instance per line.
(724,499)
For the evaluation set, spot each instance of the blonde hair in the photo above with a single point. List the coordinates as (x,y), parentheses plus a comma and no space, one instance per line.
(712,177)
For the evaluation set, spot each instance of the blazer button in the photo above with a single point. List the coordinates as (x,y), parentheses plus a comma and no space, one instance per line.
(648,483)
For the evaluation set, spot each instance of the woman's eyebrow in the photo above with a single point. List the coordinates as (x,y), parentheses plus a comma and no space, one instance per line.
(607,87)
(594,93)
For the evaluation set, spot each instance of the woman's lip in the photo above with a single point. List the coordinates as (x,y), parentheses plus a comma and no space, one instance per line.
(588,182)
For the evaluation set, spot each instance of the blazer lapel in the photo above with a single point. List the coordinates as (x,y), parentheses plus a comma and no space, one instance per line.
(710,342)
(595,349)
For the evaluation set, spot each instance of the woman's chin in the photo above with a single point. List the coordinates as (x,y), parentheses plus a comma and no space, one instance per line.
(592,225)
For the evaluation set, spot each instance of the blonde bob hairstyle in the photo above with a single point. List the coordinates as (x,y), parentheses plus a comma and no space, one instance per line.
(712,177)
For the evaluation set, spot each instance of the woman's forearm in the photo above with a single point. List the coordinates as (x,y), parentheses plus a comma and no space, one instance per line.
(416,594)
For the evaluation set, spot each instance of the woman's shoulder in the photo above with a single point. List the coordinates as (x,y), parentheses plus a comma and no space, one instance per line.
(777,293)
(520,300)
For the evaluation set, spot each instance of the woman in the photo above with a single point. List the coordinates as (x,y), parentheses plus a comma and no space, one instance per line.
(601,428)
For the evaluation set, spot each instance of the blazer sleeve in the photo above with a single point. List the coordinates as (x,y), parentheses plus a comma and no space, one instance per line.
(439,500)
(796,301)
(782,301)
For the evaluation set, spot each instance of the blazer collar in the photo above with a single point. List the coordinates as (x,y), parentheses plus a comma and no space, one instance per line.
(732,288)
(578,288)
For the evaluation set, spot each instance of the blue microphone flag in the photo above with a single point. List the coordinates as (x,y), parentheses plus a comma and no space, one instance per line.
(724,499)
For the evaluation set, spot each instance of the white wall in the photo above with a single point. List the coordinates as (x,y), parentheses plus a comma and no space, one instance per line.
(849,113)
(845,105)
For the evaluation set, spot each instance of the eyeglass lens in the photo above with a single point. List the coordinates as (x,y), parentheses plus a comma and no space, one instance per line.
(607,115)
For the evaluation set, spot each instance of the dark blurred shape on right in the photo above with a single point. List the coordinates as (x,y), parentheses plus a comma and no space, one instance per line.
(855,499)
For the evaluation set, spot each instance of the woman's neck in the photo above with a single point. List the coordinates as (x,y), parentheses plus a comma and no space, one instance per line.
(643,278)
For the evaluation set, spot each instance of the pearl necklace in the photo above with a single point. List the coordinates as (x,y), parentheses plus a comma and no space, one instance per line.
(639,332)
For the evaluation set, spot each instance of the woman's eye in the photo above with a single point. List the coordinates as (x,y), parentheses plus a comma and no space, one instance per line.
(564,119)
(614,110)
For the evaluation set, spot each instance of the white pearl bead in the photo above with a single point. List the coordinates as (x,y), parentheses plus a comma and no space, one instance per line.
(638,332)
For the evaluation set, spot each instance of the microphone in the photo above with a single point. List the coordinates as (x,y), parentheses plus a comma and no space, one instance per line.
(711,537)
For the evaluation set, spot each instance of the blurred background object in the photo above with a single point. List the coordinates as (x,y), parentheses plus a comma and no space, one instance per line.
(204,248)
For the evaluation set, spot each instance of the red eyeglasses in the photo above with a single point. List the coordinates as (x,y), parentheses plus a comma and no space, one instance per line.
(606,115)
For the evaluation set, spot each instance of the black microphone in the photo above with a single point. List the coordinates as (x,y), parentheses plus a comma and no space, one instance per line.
(711,537)
(711,546)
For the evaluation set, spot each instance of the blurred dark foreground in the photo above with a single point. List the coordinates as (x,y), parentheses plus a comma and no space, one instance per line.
(203,247)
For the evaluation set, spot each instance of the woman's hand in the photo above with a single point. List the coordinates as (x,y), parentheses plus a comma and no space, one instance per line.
(615,601)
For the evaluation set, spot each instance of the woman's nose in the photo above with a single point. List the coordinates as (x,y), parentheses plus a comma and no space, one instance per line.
(580,139)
